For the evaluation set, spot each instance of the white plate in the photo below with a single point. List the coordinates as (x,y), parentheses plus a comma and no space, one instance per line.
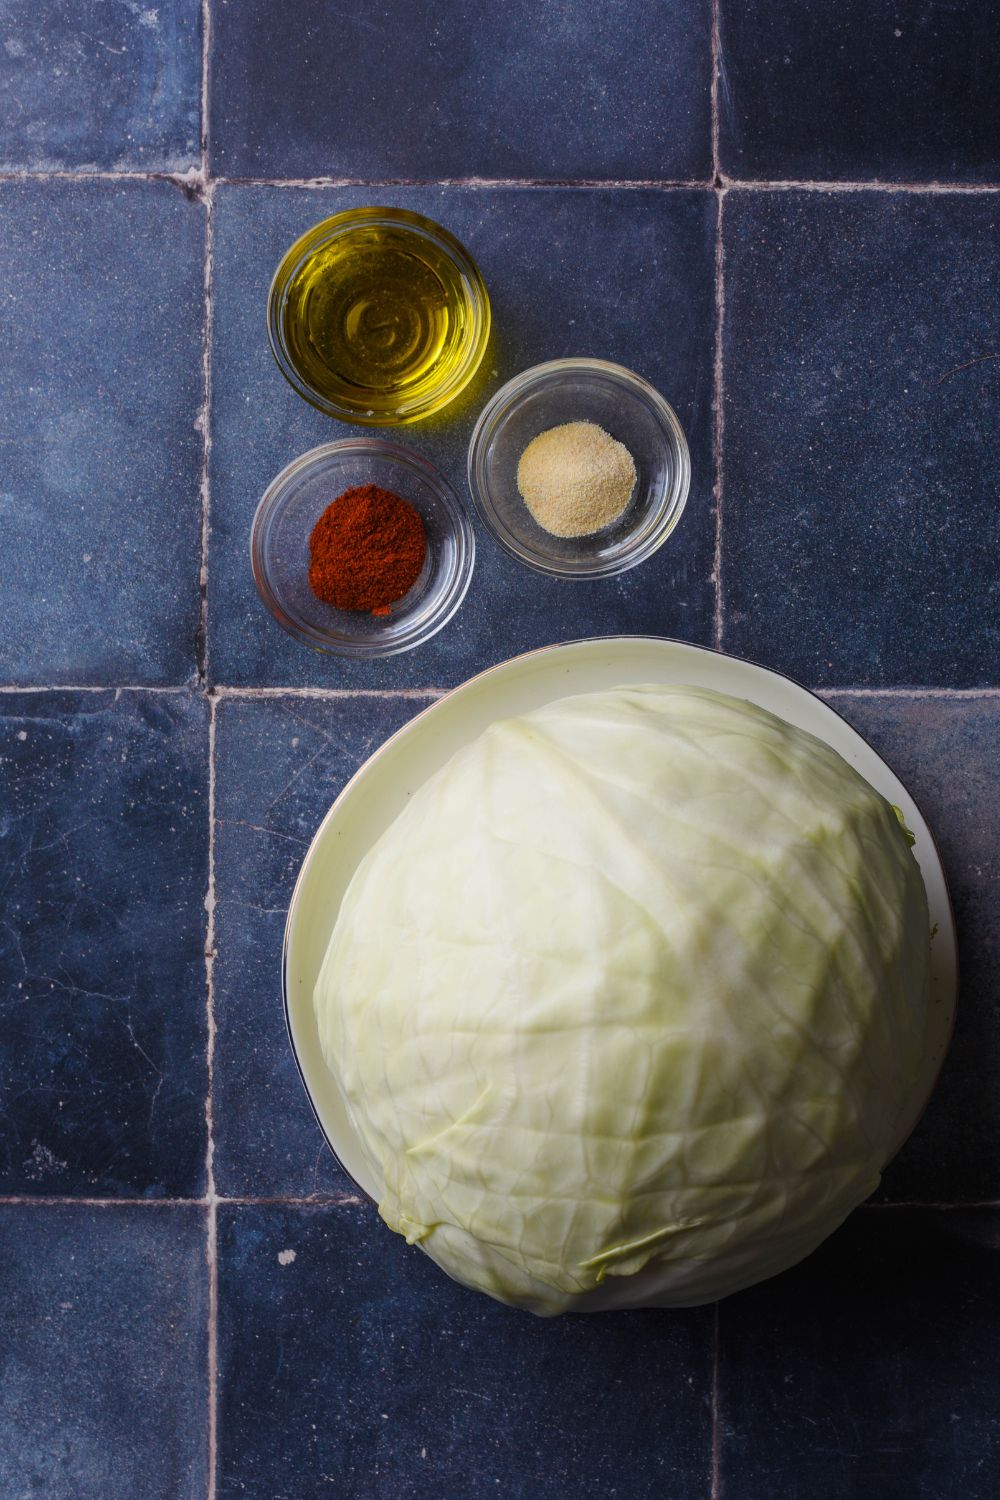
(375,795)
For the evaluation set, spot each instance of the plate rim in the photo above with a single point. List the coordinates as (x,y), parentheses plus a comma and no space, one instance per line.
(948,934)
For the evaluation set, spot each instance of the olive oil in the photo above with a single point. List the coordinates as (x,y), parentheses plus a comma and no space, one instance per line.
(379,318)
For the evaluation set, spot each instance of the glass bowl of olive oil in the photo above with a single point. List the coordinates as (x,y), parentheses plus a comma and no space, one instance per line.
(378,316)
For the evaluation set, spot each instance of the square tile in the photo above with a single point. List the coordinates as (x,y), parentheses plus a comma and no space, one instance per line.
(516,90)
(104,1394)
(280,764)
(861,90)
(101,386)
(84,84)
(872,1369)
(347,1359)
(945,750)
(861,525)
(104,859)
(626,275)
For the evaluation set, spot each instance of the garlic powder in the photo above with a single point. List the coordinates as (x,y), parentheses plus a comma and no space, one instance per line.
(575,479)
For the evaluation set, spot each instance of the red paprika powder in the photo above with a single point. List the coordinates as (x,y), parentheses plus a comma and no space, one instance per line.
(366,550)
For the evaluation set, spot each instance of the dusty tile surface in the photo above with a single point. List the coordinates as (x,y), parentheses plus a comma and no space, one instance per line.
(105,1360)
(517,90)
(861,459)
(863,90)
(869,1370)
(100,375)
(104,868)
(86,84)
(345,1353)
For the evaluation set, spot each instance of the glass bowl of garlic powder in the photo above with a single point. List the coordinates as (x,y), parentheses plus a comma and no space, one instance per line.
(579,468)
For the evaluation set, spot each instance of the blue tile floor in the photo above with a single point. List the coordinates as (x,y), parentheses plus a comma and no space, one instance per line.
(104,865)
(520,90)
(867,1369)
(785,217)
(100,367)
(408,1385)
(105,1331)
(864,90)
(861,453)
(84,84)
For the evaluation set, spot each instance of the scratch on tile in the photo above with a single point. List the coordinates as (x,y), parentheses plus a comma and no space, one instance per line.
(980,359)
(271,833)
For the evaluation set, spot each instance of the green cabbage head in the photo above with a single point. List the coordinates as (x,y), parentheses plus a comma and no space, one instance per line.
(628,1003)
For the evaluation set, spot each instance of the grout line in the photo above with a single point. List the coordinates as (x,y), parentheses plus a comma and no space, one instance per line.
(876,185)
(213,1200)
(199,179)
(716,1431)
(220,691)
(717,620)
(206,53)
(210,960)
(211,1258)
(626,183)
(907,692)
(314,1200)
(718,422)
(204,425)
(319,692)
(716,45)
(205,415)
(52,1200)
(943,1208)
(353,1200)
(210,1194)
(190,178)
(90,687)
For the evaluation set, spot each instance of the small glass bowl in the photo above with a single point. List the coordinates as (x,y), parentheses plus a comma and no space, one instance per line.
(580,390)
(294,502)
(463,288)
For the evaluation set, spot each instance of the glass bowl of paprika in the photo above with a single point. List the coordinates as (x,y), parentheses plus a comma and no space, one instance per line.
(361,548)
